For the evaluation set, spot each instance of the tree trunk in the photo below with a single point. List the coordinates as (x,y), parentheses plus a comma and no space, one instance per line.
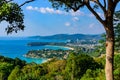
(109,52)
(109,60)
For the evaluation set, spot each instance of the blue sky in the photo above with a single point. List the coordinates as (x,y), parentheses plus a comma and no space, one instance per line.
(42,19)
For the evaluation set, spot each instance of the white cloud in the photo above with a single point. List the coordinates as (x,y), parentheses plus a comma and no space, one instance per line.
(75,18)
(67,24)
(29,8)
(53,11)
(42,10)
(77,13)
(100,14)
(59,12)
(91,15)
(92,25)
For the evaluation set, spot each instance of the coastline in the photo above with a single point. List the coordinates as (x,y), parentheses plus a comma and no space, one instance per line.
(66,47)
(70,48)
(45,57)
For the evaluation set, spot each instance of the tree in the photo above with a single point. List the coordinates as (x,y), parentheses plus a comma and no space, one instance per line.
(14,73)
(77,65)
(12,13)
(5,69)
(108,9)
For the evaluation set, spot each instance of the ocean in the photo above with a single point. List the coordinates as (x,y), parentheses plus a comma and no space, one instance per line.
(16,47)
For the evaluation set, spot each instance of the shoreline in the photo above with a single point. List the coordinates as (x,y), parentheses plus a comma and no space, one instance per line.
(69,48)
(48,59)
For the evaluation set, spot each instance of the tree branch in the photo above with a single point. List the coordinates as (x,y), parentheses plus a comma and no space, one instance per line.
(26,2)
(115,2)
(96,14)
(102,7)
(105,4)
(75,7)
(98,3)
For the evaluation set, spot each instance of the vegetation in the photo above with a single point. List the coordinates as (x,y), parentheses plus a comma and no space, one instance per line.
(75,67)
(7,65)
(12,13)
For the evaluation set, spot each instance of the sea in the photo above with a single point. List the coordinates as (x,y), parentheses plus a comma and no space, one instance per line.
(16,47)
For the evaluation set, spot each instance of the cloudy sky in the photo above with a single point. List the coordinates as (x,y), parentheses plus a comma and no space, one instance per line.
(42,19)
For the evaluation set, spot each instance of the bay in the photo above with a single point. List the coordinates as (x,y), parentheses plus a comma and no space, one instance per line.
(16,47)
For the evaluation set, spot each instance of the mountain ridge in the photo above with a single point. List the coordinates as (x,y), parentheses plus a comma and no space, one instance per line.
(70,37)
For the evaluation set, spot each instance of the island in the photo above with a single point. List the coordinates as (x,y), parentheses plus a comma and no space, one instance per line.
(46,43)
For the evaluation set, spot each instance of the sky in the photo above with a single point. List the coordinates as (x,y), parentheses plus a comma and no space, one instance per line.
(40,18)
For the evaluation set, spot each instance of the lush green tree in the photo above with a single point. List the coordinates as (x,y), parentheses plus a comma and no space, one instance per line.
(77,65)
(70,66)
(19,62)
(108,9)
(5,69)
(117,67)
(12,13)
(15,73)
(97,74)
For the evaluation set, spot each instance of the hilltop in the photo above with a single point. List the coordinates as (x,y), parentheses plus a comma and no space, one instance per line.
(69,37)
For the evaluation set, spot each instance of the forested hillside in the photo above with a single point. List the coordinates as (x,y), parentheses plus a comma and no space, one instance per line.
(76,66)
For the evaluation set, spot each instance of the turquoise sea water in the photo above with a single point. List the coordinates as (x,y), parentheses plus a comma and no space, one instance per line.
(17,47)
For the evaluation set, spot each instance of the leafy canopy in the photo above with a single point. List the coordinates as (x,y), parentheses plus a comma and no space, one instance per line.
(69,4)
(11,13)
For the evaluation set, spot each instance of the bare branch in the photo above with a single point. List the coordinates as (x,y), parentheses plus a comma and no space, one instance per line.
(116,1)
(71,7)
(99,4)
(105,4)
(26,2)
(102,7)
(95,13)
(75,7)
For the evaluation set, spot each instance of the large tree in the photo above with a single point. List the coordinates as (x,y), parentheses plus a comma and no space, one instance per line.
(12,13)
(107,7)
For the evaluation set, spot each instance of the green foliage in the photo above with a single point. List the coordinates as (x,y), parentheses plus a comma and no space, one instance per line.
(15,61)
(11,13)
(77,65)
(94,75)
(117,67)
(5,70)
(68,4)
(15,73)
(56,66)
